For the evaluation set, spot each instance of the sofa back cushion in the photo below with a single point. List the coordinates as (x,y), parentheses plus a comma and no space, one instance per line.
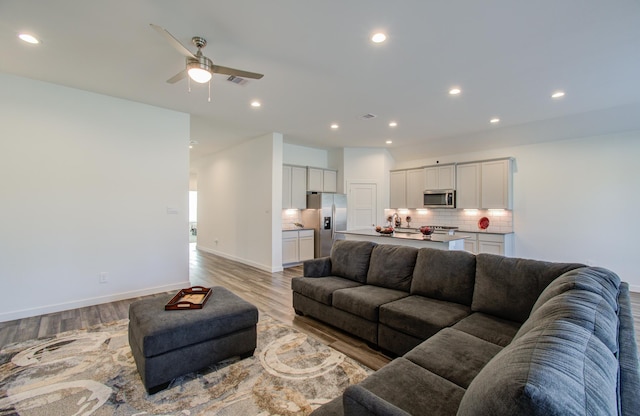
(581,307)
(598,280)
(350,259)
(444,275)
(508,287)
(556,369)
(392,266)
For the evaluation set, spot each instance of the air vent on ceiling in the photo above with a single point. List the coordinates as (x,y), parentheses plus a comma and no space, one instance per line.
(368,116)
(237,80)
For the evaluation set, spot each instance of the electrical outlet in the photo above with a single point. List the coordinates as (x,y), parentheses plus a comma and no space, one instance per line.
(103,277)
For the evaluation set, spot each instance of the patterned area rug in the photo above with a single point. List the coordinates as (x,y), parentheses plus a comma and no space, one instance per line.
(92,372)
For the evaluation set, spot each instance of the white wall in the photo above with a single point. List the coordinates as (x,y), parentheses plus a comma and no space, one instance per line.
(239,202)
(575,200)
(304,156)
(87,181)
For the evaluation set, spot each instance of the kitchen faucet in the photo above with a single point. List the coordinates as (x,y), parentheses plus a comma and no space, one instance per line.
(396,220)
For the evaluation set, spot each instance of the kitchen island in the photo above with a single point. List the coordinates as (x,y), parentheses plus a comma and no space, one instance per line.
(412,239)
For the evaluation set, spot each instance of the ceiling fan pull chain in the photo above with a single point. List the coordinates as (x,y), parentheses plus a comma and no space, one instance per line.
(209,90)
(189,83)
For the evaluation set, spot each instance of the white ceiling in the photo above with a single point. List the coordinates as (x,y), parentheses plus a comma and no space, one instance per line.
(320,67)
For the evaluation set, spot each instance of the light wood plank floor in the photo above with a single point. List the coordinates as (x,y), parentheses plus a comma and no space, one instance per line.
(270,292)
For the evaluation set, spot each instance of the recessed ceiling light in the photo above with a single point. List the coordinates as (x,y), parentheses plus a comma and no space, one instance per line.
(393,124)
(557,94)
(334,126)
(378,38)
(255,104)
(494,120)
(389,142)
(28,38)
(455,91)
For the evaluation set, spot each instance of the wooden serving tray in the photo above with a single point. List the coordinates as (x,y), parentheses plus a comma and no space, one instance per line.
(191,298)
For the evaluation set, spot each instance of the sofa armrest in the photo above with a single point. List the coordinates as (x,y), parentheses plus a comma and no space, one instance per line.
(629,388)
(320,267)
(358,401)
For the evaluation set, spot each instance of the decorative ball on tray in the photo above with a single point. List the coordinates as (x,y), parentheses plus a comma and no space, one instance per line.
(384,230)
(426,231)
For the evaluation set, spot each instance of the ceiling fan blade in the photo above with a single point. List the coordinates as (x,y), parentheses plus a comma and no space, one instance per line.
(237,72)
(177,77)
(173,41)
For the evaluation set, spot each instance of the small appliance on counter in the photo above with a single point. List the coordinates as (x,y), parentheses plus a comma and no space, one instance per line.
(326,213)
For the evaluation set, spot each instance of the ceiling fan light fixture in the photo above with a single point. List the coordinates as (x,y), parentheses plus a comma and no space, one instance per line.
(198,74)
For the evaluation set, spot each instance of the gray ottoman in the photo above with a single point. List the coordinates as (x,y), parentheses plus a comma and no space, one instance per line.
(168,344)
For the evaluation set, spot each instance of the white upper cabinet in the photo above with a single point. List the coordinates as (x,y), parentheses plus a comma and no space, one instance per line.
(468,185)
(415,188)
(485,184)
(294,187)
(440,177)
(321,180)
(496,184)
(329,180)
(398,189)
(315,180)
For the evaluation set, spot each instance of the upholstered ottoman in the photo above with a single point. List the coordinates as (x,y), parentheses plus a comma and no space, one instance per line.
(168,344)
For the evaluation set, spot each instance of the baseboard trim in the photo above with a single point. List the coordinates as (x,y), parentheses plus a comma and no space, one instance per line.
(240,260)
(81,303)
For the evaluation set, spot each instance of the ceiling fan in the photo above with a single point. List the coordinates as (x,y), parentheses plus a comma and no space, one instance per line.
(199,67)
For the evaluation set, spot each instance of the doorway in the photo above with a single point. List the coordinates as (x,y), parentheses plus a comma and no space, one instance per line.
(362,207)
(193,216)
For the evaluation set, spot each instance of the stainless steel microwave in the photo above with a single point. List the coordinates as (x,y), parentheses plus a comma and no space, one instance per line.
(441,198)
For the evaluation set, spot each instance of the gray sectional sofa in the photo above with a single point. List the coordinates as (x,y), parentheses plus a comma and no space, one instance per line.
(476,334)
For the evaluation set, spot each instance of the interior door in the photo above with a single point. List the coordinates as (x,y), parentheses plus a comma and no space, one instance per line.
(362,207)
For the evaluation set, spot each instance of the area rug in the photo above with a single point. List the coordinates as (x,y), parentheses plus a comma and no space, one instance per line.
(92,372)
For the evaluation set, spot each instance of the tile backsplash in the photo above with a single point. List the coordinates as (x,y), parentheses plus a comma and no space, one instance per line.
(500,221)
(290,217)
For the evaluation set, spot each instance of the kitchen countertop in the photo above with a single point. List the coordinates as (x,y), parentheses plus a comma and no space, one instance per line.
(297,229)
(436,238)
(476,230)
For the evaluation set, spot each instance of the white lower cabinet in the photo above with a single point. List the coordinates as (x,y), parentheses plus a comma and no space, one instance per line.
(297,246)
(289,247)
(470,242)
(491,243)
(501,244)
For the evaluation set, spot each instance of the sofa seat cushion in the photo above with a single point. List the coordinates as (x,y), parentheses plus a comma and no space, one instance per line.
(600,281)
(392,266)
(444,275)
(582,307)
(489,328)
(557,369)
(350,259)
(364,301)
(421,317)
(395,384)
(508,287)
(320,289)
(454,355)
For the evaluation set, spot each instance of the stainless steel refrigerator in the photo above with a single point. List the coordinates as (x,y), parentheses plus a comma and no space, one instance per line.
(326,213)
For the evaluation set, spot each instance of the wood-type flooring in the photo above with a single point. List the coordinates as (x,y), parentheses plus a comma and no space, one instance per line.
(270,292)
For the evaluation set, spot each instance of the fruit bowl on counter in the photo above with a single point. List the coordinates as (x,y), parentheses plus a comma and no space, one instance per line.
(426,232)
(384,230)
